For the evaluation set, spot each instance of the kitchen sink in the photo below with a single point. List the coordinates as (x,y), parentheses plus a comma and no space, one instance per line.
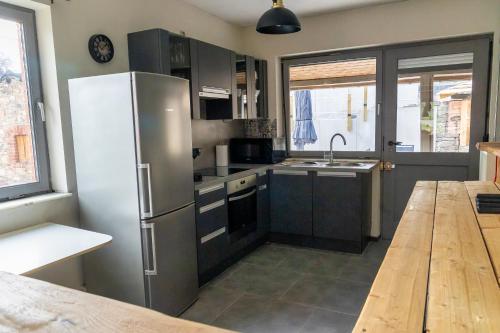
(344,164)
(323,164)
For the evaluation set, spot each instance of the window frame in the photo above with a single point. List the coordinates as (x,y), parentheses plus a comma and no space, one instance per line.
(351,55)
(26,17)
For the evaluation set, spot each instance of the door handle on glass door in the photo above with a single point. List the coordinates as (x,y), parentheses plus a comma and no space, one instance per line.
(394,143)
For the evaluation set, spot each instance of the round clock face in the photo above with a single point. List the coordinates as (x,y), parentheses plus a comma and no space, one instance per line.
(101,49)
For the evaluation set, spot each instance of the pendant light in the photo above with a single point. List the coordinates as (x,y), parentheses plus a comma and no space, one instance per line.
(278,20)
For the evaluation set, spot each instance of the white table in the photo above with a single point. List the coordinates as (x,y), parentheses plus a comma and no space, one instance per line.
(31,249)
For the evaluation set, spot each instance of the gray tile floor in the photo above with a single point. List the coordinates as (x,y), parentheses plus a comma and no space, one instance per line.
(279,288)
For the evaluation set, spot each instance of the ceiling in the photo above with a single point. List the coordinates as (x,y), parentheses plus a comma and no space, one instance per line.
(247,12)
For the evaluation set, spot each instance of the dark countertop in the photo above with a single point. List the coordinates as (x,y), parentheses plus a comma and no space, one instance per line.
(367,167)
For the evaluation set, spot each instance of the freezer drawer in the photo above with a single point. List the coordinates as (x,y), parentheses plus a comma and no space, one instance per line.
(171,261)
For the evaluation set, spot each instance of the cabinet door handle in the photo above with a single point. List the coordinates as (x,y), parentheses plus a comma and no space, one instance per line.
(211,206)
(262,187)
(213,235)
(290,172)
(337,174)
(211,189)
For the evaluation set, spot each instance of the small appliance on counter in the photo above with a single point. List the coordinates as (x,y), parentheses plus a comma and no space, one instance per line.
(221,156)
(257,150)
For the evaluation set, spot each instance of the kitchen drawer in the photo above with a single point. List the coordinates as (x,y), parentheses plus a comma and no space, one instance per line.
(213,250)
(211,217)
(210,194)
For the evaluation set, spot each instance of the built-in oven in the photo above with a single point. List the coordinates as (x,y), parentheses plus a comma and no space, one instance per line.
(242,207)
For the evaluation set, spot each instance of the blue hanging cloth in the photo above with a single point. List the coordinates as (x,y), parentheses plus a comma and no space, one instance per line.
(304,132)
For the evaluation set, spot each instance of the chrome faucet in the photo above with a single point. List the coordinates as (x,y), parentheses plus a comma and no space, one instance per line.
(331,144)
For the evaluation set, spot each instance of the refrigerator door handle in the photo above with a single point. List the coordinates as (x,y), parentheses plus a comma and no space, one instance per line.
(151,226)
(146,213)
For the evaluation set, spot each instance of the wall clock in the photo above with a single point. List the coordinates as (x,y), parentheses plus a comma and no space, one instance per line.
(101,48)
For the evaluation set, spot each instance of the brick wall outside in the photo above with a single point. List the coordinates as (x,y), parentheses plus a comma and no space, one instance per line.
(453,126)
(15,167)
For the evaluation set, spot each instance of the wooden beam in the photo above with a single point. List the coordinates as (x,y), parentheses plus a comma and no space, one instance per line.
(396,302)
(463,290)
(334,81)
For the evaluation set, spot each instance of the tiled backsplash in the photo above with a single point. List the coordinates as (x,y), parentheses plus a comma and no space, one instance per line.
(261,128)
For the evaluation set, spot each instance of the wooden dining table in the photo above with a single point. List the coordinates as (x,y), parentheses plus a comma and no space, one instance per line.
(441,272)
(30,305)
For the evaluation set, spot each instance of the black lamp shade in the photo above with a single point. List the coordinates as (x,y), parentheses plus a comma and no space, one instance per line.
(278,21)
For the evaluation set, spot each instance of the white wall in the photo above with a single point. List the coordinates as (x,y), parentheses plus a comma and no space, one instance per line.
(75,21)
(400,22)
(63,32)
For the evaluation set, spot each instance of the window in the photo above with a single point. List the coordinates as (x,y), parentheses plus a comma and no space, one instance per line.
(332,96)
(434,104)
(23,154)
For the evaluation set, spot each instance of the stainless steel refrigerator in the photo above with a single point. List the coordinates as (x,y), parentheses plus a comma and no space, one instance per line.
(133,155)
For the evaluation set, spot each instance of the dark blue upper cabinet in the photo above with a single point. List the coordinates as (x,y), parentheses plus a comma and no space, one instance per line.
(159,51)
(251,88)
(149,51)
(243,87)
(212,71)
(214,67)
(259,80)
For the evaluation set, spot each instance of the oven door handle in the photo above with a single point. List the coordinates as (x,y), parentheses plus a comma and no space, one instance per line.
(242,196)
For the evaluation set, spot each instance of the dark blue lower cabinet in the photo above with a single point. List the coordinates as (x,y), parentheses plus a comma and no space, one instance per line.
(213,250)
(342,208)
(263,207)
(212,234)
(337,208)
(291,202)
(329,210)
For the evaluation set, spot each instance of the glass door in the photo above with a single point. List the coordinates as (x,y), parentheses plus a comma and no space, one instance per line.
(242,87)
(435,100)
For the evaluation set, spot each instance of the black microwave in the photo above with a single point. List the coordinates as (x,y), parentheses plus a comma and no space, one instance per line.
(257,150)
